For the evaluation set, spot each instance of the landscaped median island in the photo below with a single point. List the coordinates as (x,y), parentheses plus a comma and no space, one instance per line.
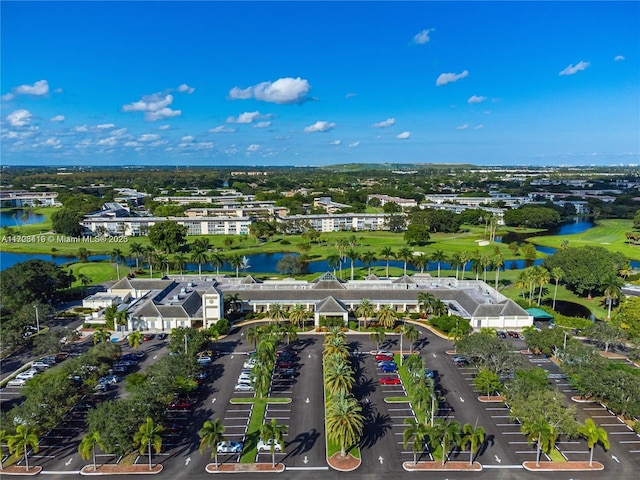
(343,413)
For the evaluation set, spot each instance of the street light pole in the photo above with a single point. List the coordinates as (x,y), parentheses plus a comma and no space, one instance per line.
(37,318)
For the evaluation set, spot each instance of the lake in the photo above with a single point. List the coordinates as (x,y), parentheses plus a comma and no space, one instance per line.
(7,218)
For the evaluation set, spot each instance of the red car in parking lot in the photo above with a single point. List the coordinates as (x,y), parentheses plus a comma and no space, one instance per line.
(285,364)
(180,405)
(384,358)
(390,381)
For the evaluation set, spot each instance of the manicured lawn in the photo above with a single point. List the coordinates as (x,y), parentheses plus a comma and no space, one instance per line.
(250,451)
(96,272)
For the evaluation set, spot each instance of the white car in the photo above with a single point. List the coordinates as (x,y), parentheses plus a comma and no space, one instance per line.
(16,382)
(266,446)
(249,363)
(243,387)
(385,353)
(243,378)
(27,374)
(229,447)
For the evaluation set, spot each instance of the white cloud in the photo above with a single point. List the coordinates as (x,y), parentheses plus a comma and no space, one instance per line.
(81,128)
(422,37)
(335,142)
(164,127)
(618,58)
(385,123)
(104,126)
(7,97)
(248,117)
(51,142)
(155,107)
(148,137)
(187,138)
(320,126)
(57,118)
(571,69)
(462,127)
(265,124)
(109,142)
(476,99)
(19,118)
(222,129)
(354,144)
(119,132)
(403,135)
(283,91)
(253,148)
(478,127)
(41,87)
(445,78)
(131,144)
(350,95)
(184,88)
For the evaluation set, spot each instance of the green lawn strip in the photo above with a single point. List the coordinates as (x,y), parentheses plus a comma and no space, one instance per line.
(556,456)
(249,450)
(397,400)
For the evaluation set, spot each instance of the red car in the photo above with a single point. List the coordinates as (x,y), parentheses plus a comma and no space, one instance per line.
(390,381)
(384,358)
(285,364)
(180,405)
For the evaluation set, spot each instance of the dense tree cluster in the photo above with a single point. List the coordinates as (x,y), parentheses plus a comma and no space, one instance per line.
(532,216)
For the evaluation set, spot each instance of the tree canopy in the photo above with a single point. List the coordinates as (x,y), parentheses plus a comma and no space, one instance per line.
(532,216)
(586,269)
(168,236)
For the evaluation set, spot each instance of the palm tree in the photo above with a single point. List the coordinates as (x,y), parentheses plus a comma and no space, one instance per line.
(210,434)
(335,345)
(276,312)
(378,336)
(352,255)
(254,334)
(338,378)
(216,259)
(440,308)
(417,431)
(364,309)
(435,434)
(333,261)
(275,434)
(542,433)
(147,435)
(369,258)
(120,318)
(456,261)
(20,442)
(136,250)
(522,281)
(345,422)
(87,447)
(202,243)
(414,365)
(199,256)
(180,261)
(117,257)
(594,435)
(289,331)
(101,335)
(151,257)
(387,316)
(420,261)
(134,339)
(451,436)
(406,255)
(412,335)
(439,257)
(387,254)
(557,274)
(84,281)
(474,437)
(497,262)
(298,314)
(261,375)
(613,289)
(464,258)
(236,261)
(426,300)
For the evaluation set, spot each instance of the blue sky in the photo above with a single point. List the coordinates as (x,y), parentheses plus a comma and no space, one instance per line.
(311,83)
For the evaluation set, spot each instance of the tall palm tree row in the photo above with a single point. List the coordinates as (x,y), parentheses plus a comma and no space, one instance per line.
(147,436)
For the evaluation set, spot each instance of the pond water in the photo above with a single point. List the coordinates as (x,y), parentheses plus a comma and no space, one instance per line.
(576,225)
(22,217)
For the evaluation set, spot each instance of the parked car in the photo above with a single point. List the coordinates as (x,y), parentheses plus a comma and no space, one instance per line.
(390,381)
(49,360)
(104,387)
(266,446)
(429,373)
(180,404)
(249,363)
(16,382)
(162,336)
(39,365)
(147,337)
(386,353)
(460,360)
(388,368)
(204,360)
(387,362)
(229,447)
(243,387)
(28,374)
(244,378)
(285,364)
(380,358)
(288,373)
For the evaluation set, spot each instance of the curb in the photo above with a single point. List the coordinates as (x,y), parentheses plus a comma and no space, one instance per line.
(438,467)
(16,470)
(562,466)
(245,468)
(120,470)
